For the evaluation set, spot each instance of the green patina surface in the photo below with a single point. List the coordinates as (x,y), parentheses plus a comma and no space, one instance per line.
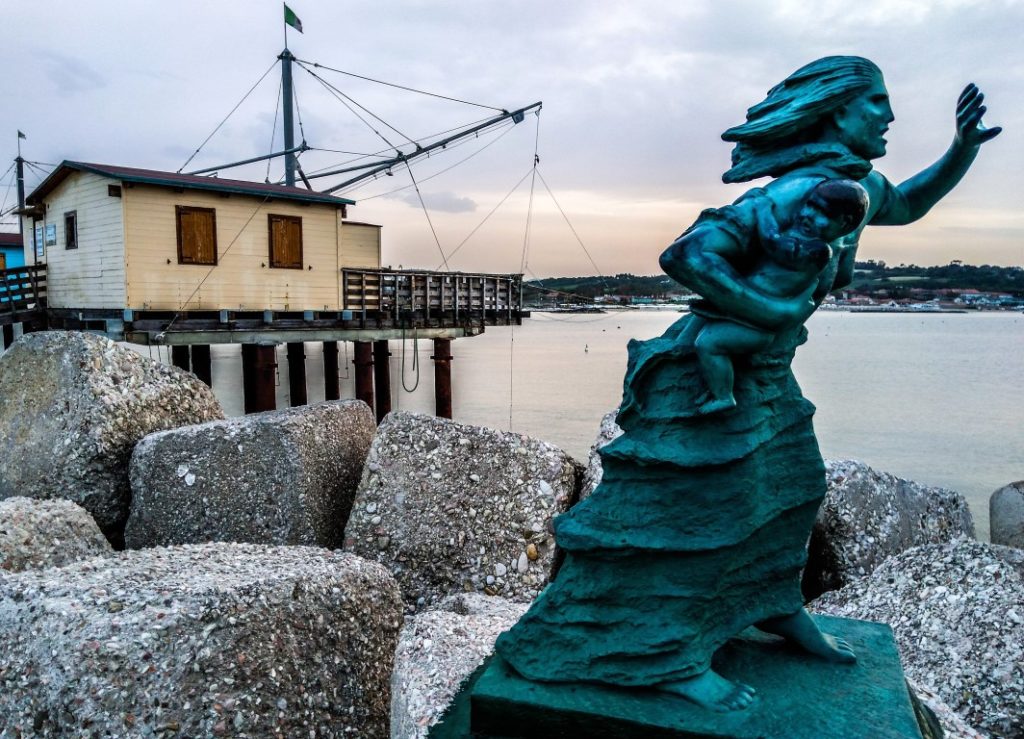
(797,696)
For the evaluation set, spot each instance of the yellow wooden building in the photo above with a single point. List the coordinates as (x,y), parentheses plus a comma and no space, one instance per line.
(125,238)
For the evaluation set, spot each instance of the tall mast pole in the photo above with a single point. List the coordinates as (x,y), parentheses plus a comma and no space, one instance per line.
(287,99)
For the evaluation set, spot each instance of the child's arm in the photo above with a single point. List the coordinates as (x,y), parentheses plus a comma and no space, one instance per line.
(778,247)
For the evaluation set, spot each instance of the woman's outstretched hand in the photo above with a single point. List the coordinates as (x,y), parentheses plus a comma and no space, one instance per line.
(970,131)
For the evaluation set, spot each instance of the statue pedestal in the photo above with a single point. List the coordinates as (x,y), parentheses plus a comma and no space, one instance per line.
(797,696)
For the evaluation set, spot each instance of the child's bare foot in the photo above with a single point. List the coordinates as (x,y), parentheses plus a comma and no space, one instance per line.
(712,691)
(800,629)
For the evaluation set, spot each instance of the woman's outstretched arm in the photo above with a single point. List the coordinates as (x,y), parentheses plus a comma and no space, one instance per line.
(915,197)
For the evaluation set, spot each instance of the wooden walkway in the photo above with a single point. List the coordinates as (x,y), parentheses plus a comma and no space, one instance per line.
(377,304)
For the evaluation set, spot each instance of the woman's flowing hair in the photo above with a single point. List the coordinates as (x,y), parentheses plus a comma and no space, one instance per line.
(782,131)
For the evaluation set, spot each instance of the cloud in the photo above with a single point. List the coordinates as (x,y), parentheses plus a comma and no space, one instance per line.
(71,75)
(447,202)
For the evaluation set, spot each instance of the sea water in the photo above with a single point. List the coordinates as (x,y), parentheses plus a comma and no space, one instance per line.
(936,398)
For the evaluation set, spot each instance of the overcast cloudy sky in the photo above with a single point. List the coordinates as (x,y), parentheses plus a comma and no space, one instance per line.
(635,98)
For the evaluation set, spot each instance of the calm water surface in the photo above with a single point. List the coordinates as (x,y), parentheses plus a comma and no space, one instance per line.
(934,398)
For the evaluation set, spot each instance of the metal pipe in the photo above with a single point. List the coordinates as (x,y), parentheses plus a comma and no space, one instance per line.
(287,122)
(285,152)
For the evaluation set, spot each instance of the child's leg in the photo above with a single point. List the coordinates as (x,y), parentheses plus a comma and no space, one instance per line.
(715,345)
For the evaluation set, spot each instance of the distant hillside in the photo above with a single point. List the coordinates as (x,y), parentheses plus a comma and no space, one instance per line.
(870,277)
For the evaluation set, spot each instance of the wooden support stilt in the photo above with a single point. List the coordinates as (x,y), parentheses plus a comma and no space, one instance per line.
(382,378)
(363,362)
(8,335)
(201,363)
(259,365)
(180,357)
(442,377)
(297,373)
(331,389)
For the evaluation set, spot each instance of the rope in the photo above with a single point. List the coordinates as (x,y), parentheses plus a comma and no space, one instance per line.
(529,207)
(479,225)
(273,130)
(437,241)
(228,116)
(209,272)
(357,185)
(415,360)
(341,96)
(585,251)
(298,110)
(401,87)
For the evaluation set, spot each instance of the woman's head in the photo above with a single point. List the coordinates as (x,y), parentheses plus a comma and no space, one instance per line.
(802,111)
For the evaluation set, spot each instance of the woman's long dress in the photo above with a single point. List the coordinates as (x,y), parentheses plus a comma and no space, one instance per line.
(697,530)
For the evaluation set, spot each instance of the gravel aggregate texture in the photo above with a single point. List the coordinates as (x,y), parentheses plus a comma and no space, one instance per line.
(1006,515)
(281,477)
(953,725)
(74,406)
(868,516)
(451,508)
(437,650)
(36,534)
(609,431)
(957,610)
(200,641)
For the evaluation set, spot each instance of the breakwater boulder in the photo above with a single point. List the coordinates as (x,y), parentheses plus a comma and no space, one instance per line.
(868,516)
(36,534)
(450,508)
(1006,515)
(957,610)
(74,405)
(608,432)
(282,477)
(200,641)
(437,650)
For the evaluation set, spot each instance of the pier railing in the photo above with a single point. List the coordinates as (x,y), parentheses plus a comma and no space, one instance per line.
(398,292)
(22,289)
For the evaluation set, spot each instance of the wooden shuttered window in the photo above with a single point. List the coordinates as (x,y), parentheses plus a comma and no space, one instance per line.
(285,241)
(197,235)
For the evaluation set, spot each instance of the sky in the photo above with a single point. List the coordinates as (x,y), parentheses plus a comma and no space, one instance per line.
(635,98)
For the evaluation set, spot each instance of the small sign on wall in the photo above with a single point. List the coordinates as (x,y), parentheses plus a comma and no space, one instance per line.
(51,234)
(38,240)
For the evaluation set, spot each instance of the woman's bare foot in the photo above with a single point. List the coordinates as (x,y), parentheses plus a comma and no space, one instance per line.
(800,629)
(712,691)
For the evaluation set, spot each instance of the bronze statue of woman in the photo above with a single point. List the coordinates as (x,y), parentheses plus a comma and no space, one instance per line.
(699,526)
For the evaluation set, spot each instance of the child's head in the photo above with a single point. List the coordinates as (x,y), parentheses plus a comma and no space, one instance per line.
(833,208)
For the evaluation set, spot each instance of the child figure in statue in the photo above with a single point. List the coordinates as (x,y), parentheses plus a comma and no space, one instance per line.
(791,264)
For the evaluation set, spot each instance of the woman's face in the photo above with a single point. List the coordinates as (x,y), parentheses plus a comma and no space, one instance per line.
(861,123)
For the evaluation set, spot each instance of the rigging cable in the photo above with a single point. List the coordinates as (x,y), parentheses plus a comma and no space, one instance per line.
(209,272)
(437,241)
(400,87)
(298,111)
(336,92)
(436,174)
(529,207)
(273,129)
(382,152)
(263,77)
(415,359)
(571,228)
(8,192)
(493,210)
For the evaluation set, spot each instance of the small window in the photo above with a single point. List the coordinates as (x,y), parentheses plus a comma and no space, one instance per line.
(71,229)
(114,191)
(285,241)
(197,235)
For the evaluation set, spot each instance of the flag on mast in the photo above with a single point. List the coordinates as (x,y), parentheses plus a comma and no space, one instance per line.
(291,19)
(22,136)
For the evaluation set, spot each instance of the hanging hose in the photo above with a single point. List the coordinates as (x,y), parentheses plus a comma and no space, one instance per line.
(415,360)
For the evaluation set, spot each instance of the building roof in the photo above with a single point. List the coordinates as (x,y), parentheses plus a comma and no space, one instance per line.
(182,181)
(10,239)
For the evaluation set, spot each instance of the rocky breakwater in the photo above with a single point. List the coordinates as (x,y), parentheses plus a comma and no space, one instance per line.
(74,405)
(36,534)
(200,641)
(957,610)
(1006,515)
(868,516)
(283,477)
(450,508)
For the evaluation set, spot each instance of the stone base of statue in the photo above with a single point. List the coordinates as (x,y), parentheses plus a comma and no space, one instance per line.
(797,696)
